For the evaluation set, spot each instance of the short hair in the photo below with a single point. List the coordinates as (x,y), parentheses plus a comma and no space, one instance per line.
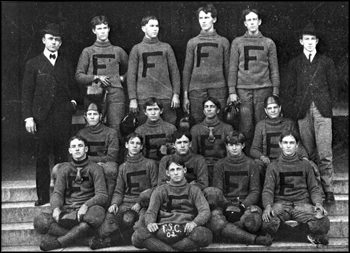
(245,12)
(75,137)
(212,99)
(208,8)
(176,160)
(151,101)
(272,100)
(146,19)
(98,20)
(134,135)
(292,133)
(234,137)
(179,133)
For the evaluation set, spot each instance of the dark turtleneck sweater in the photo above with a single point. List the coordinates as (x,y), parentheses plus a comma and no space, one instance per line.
(103,59)
(238,177)
(207,62)
(290,179)
(103,143)
(200,134)
(155,134)
(197,170)
(153,71)
(134,176)
(92,191)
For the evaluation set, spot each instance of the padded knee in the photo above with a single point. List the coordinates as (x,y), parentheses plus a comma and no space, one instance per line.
(95,216)
(272,226)
(42,223)
(201,236)
(252,219)
(214,197)
(139,236)
(217,222)
(319,226)
(111,170)
(145,197)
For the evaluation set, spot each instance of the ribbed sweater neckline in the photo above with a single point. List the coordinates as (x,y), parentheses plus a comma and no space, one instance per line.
(81,163)
(156,123)
(274,121)
(150,41)
(207,34)
(134,159)
(95,129)
(237,159)
(248,35)
(288,159)
(211,122)
(102,43)
(183,158)
(181,184)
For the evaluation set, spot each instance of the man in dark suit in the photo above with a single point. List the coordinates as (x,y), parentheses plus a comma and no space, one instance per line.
(49,96)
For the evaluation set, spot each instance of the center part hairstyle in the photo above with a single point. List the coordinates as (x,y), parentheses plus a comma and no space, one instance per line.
(212,99)
(206,9)
(272,100)
(98,20)
(245,12)
(234,137)
(292,133)
(151,101)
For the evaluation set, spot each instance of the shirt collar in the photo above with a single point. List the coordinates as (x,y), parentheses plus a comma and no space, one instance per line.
(307,53)
(47,53)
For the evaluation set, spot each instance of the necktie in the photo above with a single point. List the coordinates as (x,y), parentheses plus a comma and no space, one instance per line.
(310,57)
(52,56)
(211,137)
(78,178)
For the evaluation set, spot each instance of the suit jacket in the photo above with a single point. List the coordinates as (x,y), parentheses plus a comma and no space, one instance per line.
(40,84)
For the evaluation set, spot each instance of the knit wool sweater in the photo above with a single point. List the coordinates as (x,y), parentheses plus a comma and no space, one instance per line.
(197,169)
(155,134)
(134,176)
(102,58)
(207,62)
(103,143)
(238,177)
(266,138)
(180,203)
(152,71)
(92,191)
(253,63)
(200,142)
(292,180)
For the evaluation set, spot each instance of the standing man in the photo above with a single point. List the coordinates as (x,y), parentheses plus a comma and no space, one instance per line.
(253,74)
(153,72)
(312,81)
(49,96)
(206,66)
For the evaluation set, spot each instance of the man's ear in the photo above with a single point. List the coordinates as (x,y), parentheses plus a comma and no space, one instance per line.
(167,173)
(280,144)
(161,111)
(301,42)
(185,169)
(86,149)
(143,28)
(260,22)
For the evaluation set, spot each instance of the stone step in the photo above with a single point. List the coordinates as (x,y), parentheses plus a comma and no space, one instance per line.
(24,191)
(335,244)
(17,212)
(20,234)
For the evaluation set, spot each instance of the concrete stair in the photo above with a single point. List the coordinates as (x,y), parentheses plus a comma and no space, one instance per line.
(18,234)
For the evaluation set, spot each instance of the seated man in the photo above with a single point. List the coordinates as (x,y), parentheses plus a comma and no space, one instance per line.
(137,175)
(155,131)
(291,193)
(175,217)
(76,202)
(197,170)
(236,189)
(208,136)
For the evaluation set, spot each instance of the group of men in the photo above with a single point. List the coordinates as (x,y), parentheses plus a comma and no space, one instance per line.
(165,186)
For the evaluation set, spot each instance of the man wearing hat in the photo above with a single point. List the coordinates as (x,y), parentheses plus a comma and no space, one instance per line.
(49,97)
(312,81)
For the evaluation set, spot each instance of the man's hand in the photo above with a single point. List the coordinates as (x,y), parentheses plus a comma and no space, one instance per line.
(265,159)
(136,207)
(133,105)
(56,214)
(31,125)
(152,227)
(186,104)
(81,212)
(113,209)
(320,209)
(268,213)
(104,81)
(232,98)
(175,102)
(189,227)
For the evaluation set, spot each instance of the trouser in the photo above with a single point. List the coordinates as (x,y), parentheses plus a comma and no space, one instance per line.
(168,115)
(115,109)
(302,213)
(196,98)
(316,135)
(211,161)
(53,132)
(251,112)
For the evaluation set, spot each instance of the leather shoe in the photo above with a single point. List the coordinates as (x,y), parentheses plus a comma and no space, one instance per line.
(329,197)
(41,201)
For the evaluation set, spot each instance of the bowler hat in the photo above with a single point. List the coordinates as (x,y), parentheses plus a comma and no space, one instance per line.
(53,29)
(309,29)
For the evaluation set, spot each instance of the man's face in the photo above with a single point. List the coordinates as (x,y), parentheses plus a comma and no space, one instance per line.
(210,110)
(153,112)
(182,145)
(102,32)
(93,118)
(273,110)
(309,42)
(176,173)
(288,145)
(151,29)
(206,21)
(134,146)
(234,149)
(77,149)
(252,22)
(52,43)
